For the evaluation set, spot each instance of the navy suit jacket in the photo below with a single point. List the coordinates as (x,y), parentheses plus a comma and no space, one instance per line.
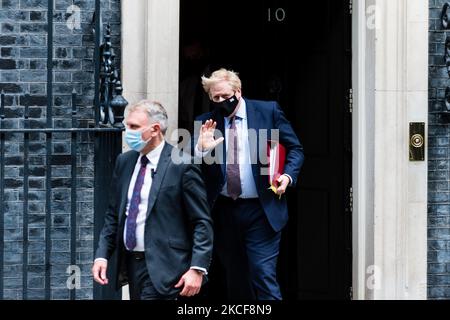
(260,115)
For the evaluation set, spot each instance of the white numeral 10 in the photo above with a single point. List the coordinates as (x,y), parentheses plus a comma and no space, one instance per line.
(279,14)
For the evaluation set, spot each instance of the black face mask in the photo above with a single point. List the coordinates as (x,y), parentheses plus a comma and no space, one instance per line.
(226,107)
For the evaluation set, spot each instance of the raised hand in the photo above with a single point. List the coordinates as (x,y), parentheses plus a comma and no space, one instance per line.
(206,141)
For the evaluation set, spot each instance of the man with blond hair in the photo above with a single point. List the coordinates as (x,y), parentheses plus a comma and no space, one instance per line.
(158,217)
(248,216)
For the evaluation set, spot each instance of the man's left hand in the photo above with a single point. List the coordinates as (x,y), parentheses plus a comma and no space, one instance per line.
(284,181)
(192,281)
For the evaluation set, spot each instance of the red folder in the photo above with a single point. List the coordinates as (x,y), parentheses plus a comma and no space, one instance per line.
(276,155)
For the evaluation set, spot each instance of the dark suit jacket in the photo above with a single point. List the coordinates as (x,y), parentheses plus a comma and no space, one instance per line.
(178,230)
(260,115)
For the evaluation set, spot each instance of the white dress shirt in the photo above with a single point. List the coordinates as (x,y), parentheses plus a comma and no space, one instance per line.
(245,165)
(153,158)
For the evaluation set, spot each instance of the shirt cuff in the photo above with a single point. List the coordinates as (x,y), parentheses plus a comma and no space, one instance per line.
(203,270)
(198,153)
(100,259)
(290,179)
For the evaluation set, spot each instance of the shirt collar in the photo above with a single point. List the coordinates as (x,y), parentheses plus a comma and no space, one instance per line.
(153,156)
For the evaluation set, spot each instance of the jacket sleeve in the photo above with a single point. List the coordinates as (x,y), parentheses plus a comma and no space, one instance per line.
(196,204)
(108,236)
(288,138)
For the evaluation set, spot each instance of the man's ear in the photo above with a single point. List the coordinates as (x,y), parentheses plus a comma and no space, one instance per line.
(156,129)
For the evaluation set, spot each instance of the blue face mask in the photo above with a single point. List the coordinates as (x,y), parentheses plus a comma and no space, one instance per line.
(134,140)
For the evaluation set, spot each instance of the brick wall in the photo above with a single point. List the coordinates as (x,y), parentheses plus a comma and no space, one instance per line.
(439,162)
(23,70)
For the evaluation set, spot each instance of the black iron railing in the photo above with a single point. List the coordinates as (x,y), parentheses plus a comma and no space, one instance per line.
(106,127)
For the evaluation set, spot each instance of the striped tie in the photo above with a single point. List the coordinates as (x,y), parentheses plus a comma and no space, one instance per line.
(133,211)
(233,176)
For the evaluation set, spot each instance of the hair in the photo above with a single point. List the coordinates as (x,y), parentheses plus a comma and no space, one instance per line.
(154,110)
(222,75)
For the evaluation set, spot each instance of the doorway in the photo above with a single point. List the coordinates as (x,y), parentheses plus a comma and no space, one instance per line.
(298,54)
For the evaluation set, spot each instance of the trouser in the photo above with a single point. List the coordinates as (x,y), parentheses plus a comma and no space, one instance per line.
(140,284)
(248,249)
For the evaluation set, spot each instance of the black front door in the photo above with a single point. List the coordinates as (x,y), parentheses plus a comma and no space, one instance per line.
(298,53)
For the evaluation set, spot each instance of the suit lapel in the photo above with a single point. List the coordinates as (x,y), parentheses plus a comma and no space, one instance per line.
(254,123)
(221,127)
(127,173)
(161,168)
